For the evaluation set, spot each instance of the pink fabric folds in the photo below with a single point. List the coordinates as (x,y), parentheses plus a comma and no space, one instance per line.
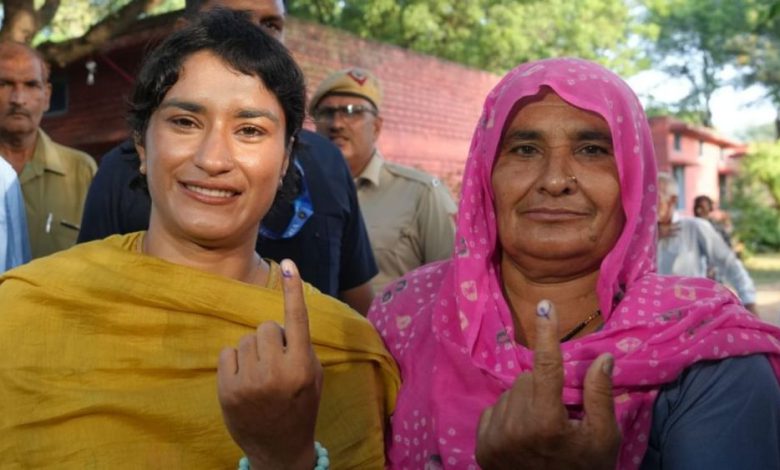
(449,327)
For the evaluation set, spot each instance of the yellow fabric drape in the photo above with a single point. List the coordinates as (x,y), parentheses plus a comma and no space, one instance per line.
(108,360)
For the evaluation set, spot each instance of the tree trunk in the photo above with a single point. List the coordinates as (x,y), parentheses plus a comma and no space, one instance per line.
(71,50)
(46,12)
(40,18)
(12,8)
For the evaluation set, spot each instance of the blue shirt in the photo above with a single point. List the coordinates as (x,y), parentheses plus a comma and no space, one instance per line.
(331,249)
(14,243)
(717,415)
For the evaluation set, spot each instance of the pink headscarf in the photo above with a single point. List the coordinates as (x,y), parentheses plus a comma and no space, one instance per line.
(450,329)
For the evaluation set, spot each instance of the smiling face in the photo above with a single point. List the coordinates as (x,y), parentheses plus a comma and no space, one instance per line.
(557,193)
(213,153)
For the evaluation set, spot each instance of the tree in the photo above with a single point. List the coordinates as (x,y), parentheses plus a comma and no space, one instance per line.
(696,40)
(758,52)
(763,165)
(494,35)
(21,20)
(71,30)
(757,198)
(654,108)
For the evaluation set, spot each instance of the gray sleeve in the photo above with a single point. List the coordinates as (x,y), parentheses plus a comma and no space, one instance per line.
(720,255)
(717,415)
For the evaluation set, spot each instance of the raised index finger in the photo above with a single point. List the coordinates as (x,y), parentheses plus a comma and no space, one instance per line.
(296,318)
(548,365)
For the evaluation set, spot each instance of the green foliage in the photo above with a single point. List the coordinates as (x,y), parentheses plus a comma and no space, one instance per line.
(757,199)
(761,133)
(759,53)
(494,35)
(696,40)
(764,269)
(762,164)
(655,108)
(74,18)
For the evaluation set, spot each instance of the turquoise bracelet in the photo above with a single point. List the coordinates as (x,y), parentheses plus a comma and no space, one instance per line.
(323,461)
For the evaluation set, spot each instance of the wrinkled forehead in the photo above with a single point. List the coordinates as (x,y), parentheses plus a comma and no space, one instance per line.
(18,63)
(581,84)
(551,105)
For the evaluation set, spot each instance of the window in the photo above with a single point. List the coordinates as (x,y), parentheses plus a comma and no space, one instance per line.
(678,171)
(677,141)
(58,104)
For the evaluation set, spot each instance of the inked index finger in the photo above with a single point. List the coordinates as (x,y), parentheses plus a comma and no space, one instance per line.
(548,364)
(296,317)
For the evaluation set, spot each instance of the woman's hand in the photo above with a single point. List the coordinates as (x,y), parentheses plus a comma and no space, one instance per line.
(529,426)
(269,388)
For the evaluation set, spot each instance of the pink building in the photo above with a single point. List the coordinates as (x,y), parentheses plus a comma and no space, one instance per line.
(702,161)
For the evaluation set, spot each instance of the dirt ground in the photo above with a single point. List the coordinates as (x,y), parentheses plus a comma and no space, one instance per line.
(768,302)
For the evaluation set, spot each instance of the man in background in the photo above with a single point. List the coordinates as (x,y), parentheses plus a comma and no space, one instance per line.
(704,208)
(409,213)
(54,178)
(689,246)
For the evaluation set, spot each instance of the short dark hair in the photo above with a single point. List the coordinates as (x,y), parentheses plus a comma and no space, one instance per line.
(699,199)
(242,45)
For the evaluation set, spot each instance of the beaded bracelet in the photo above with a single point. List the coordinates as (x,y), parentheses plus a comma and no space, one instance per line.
(323,461)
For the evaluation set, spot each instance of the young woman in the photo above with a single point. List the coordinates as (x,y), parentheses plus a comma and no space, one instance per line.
(109,350)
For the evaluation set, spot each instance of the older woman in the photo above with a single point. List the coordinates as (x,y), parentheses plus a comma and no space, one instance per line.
(109,350)
(548,341)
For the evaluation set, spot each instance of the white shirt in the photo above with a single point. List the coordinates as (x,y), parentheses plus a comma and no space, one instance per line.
(14,244)
(696,247)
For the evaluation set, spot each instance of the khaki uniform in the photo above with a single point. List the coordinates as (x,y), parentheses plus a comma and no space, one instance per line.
(54,185)
(409,216)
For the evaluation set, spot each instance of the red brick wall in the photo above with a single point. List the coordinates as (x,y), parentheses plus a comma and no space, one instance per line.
(430,105)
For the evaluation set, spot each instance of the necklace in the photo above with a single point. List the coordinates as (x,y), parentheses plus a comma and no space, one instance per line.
(571,334)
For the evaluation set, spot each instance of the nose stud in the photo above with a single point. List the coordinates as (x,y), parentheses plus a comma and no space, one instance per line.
(572,178)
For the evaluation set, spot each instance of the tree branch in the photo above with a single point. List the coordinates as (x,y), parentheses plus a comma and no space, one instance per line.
(11,8)
(47,11)
(71,50)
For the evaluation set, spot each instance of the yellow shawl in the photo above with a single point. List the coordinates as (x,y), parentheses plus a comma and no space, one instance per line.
(108,360)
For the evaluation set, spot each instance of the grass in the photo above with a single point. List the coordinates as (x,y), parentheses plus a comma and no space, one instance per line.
(764,268)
